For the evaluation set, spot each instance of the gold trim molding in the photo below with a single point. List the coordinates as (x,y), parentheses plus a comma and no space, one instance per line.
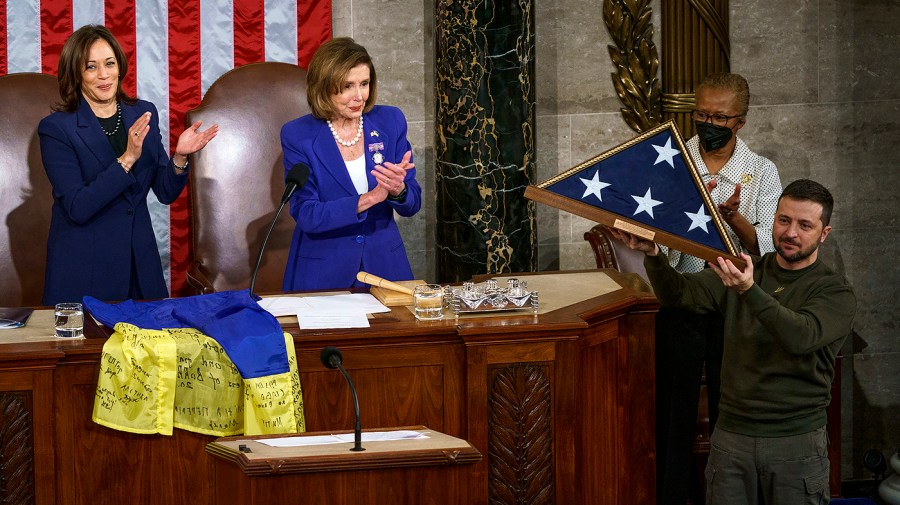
(678,102)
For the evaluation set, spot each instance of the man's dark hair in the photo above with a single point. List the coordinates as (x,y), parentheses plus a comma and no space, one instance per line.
(805,189)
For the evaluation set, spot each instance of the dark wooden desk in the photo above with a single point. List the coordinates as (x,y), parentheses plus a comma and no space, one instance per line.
(561,405)
(399,471)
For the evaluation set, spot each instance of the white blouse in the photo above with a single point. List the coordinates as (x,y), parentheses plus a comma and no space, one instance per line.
(760,190)
(357,170)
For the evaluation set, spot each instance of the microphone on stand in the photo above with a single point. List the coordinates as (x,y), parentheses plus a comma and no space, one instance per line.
(296,178)
(332,358)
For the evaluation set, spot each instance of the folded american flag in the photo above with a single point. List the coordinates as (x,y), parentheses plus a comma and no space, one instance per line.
(647,186)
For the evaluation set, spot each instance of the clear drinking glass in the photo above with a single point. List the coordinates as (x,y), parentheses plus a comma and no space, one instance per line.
(428,300)
(69,320)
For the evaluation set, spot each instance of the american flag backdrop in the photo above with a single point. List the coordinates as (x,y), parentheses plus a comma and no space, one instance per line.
(176,50)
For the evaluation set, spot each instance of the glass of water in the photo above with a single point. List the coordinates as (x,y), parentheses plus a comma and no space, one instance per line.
(428,300)
(69,320)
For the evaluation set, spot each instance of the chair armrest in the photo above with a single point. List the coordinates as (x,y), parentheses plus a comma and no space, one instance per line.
(197,279)
(602,247)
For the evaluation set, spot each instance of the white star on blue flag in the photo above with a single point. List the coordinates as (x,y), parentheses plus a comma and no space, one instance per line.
(645,203)
(699,219)
(593,186)
(666,153)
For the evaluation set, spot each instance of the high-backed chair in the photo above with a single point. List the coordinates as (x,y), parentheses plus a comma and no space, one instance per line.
(238,179)
(25,193)
(611,253)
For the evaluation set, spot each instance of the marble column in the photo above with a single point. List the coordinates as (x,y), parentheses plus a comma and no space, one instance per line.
(484,137)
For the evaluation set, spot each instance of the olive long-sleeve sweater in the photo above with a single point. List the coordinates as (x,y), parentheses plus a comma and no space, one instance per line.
(781,339)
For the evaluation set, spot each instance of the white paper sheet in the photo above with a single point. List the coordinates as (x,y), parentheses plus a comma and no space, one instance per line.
(355,302)
(312,319)
(378,436)
(283,305)
(351,302)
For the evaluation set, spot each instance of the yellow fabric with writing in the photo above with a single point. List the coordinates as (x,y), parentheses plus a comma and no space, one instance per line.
(136,388)
(208,389)
(186,380)
(274,404)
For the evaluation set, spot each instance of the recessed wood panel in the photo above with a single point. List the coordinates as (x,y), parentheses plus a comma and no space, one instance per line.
(402,396)
(26,435)
(520,441)
(16,448)
(103,465)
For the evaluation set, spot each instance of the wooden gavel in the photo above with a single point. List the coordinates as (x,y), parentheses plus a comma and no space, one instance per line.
(374,280)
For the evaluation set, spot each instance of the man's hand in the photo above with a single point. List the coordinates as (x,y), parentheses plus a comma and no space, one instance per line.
(731,276)
(634,242)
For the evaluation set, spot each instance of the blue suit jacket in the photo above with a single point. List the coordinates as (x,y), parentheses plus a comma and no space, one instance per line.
(331,242)
(100,223)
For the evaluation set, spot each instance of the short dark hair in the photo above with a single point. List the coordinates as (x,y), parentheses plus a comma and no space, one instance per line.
(327,70)
(730,82)
(73,59)
(812,191)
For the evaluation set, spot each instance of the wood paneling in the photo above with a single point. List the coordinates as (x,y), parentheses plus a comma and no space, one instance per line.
(589,419)
(520,434)
(26,433)
(419,486)
(17,457)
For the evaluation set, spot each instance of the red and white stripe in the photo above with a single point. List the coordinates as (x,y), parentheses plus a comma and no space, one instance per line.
(176,50)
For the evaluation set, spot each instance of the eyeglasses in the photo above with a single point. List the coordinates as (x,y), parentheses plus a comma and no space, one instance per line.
(716,119)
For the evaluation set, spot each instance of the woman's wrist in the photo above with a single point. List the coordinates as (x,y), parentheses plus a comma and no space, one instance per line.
(180,162)
(399,197)
(124,164)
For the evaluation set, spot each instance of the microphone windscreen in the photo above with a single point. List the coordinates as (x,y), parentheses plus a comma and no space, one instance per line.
(298,174)
(331,356)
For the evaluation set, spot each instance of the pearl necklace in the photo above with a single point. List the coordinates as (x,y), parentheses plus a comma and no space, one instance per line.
(343,142)
(118,122)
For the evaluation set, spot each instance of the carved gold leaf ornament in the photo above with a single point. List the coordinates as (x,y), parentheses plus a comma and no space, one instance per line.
(636,60)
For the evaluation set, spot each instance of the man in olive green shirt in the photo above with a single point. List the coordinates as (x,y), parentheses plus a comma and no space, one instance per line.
(787,315)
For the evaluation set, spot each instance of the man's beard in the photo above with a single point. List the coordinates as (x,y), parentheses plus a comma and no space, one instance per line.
(798,256)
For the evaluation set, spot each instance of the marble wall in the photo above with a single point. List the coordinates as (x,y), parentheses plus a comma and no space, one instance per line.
(826,108)
(399,35)
(825,105)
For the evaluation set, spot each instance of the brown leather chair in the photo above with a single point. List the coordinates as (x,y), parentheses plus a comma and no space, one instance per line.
(25,193)
(238,179)
(611,253)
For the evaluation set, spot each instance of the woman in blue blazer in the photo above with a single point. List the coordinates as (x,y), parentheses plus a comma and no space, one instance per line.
(361,172)
(102,151)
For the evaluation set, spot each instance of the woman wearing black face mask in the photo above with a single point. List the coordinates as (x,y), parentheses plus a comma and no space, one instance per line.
(743,184)
(746,187)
